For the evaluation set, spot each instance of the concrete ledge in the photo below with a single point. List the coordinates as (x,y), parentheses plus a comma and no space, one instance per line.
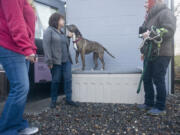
(107,88)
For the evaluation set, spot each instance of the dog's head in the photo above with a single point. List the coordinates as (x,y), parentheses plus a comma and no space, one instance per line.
(73,28)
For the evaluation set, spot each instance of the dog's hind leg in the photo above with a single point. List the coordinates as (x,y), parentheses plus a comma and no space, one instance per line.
(77,56)
(101,57)
(95,58)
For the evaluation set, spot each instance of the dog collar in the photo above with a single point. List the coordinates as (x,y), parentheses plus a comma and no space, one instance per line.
(76,41)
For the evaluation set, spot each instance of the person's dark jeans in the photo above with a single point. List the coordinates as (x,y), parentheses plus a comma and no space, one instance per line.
(60,72)
(155,74)
(16,68)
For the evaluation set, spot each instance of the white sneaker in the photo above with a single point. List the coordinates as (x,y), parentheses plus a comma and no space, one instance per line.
(29,131)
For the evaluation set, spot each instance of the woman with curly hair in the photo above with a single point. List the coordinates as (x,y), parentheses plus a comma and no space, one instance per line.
(58,58)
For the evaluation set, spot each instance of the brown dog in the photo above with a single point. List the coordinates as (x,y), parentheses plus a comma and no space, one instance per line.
(84,46)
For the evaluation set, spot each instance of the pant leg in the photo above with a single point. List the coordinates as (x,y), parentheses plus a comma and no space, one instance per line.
(56,79)
(10,132)
(67,76)
(160,66)
(15,66)
(27,65)
(148,85)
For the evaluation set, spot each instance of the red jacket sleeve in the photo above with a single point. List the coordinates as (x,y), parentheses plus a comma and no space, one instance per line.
(13,11)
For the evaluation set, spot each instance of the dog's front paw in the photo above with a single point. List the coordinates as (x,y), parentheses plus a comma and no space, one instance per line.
(77,61)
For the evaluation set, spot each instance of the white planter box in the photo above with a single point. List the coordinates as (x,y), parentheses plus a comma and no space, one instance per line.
(107,88)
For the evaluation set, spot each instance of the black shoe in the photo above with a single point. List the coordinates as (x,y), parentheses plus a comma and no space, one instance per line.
(53,105)
(72,103)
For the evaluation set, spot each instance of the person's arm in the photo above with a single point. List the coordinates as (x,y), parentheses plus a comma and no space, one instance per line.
(47,47)
(13,11)
(168,21)
(142,29)
(69,36)
(68,40)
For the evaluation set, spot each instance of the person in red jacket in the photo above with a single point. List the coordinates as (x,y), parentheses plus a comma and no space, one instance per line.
(17,49)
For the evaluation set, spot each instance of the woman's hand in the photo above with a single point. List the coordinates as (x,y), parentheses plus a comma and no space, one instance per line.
(70,34)
(50,66)
(142,57)
(146,34)
(32,58)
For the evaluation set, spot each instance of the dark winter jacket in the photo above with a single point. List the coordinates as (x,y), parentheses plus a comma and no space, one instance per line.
(161,16)
(56,47)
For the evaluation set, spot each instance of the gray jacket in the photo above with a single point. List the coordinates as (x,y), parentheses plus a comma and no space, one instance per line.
(53,48)
(161,16)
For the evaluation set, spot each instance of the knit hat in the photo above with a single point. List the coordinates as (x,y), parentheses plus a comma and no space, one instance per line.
(151,3)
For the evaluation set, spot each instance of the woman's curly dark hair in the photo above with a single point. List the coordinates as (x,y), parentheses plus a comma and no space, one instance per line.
(54,19)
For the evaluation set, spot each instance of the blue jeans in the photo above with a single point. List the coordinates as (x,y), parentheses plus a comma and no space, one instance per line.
(16,68)
(59,73)
(155,74)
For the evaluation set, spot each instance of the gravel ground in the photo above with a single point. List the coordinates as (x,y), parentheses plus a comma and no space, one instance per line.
(107,119)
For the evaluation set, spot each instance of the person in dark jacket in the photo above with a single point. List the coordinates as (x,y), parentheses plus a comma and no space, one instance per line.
(56,49)
(17,49)
(160,16)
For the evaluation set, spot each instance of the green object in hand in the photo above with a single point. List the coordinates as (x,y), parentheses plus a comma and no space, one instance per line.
(159,33)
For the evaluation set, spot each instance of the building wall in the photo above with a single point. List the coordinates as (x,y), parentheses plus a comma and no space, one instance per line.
(114,24)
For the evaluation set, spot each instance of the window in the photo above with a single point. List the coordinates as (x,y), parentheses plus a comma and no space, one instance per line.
(43,13)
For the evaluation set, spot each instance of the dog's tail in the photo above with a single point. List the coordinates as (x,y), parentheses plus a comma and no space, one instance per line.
(109,53)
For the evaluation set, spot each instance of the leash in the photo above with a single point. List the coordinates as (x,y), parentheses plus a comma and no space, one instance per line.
(146,61)
(76,41)
(157,39)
